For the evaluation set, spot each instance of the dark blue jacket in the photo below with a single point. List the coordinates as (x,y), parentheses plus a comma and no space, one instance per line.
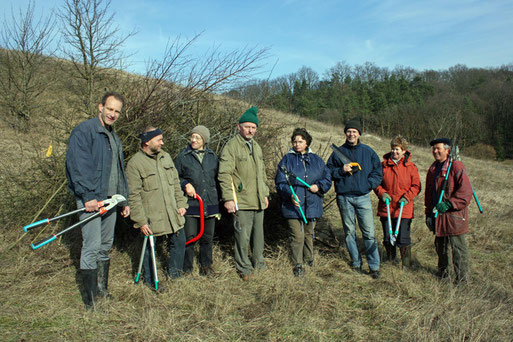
(310,168)
(202,176)
(361,182)
(89,161)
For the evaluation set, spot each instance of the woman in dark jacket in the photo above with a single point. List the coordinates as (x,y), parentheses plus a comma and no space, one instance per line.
(197,168)
(302,163)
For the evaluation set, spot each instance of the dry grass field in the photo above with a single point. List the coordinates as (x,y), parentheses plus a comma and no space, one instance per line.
(40,298)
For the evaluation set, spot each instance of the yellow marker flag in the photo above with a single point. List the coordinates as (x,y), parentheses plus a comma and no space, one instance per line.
(49,151)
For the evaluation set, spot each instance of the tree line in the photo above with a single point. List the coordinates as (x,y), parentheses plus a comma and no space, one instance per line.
(474,106)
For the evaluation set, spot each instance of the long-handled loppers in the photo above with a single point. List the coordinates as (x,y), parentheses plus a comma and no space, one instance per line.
(393,237)
(153,260)
(287,175)
(138,276)
(390,232)
(291,174)
(444,185)
(104,205)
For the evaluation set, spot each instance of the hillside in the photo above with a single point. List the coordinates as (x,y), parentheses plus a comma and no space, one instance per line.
(40,300)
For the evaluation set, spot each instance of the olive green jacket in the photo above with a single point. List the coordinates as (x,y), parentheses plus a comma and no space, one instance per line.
(247,172)
(155,193)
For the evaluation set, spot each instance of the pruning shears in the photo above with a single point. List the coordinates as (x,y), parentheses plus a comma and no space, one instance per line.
(104,207)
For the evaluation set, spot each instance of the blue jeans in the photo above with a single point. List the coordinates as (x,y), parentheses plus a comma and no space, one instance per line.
(359,207)
(176,244)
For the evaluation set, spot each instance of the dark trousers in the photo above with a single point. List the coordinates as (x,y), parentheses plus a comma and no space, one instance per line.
(403,238)
(192,228)
(176,245)
(458,244)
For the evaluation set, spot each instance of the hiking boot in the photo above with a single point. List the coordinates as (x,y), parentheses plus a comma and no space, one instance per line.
(103,279)
(357,269)
(207,271)
(246,277)
(311,263)
(375,274)
(298,271)
(442,273)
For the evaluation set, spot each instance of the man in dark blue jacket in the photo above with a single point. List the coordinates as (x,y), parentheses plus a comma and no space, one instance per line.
(95,171)
(353,187)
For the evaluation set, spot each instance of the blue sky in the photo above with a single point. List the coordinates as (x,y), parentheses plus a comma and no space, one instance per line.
(432,34)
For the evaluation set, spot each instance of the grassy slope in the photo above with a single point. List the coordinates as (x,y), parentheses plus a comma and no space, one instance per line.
(40,300)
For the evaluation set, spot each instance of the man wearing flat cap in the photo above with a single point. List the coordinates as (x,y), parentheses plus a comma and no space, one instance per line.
(353,187)
(450,225)
(157,202)
(242,179)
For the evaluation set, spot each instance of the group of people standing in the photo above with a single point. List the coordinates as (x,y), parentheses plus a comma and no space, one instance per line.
(162,196)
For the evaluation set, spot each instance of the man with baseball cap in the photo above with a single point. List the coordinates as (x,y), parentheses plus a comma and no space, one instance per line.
(242,178)
(353,187)
(447,217)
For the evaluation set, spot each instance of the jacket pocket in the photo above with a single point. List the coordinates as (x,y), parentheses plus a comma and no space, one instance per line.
(149,181)
(168,170)
(456,223)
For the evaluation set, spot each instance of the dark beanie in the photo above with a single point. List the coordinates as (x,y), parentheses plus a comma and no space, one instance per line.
(250,116)
(203,132)
(445,141)
(354,123)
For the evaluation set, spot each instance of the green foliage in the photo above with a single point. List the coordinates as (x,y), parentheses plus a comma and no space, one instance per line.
(467,104)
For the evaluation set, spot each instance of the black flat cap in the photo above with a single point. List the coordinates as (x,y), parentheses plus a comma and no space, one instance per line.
(445,141)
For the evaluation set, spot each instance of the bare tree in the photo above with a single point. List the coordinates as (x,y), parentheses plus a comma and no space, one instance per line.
(178,91)
(91,42)
(23,64)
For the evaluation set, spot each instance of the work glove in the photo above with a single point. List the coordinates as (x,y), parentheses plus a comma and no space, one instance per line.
(403,200)
(429,223)
(386,197)
(442,207)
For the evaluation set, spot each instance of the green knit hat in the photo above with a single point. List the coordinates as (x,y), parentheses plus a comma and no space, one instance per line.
(250,116)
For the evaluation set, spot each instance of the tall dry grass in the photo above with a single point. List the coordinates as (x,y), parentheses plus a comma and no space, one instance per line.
(40,298)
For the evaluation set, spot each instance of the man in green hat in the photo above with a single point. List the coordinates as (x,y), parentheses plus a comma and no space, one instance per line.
(244,190)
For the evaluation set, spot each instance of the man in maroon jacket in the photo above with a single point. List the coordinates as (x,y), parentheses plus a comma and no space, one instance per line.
(450,225)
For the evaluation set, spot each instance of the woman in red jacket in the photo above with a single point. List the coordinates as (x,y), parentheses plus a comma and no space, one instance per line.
(401,184)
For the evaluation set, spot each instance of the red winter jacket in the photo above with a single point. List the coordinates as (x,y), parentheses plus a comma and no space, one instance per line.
(458,192)
(401,179)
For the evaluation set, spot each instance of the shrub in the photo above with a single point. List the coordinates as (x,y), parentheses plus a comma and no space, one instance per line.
(481,151)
